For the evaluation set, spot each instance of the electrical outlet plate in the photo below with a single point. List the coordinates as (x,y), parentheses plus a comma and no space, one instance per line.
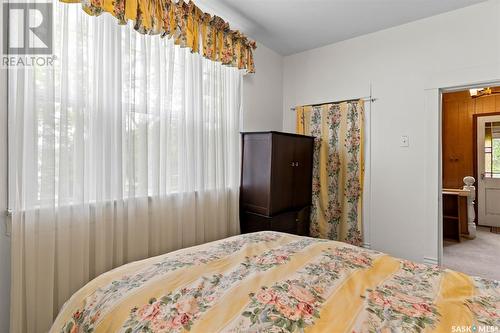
(404,141)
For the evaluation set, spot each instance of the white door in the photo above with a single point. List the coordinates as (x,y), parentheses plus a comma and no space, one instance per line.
(488,165)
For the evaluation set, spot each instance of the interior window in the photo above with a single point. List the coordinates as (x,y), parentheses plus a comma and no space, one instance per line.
(492,150)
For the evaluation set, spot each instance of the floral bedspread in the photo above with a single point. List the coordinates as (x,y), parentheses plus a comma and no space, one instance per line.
(275,282)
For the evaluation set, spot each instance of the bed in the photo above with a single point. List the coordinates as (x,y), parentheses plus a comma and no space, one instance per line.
(276,282)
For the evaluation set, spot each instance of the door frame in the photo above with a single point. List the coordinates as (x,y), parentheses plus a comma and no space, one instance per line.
(434,202)
(474,153)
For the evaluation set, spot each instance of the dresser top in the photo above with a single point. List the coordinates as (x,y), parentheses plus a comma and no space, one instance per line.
(278,133)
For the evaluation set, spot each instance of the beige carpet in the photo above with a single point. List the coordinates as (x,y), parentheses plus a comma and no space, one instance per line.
(478,257)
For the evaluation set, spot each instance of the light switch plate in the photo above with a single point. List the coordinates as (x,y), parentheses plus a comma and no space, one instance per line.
(404,141)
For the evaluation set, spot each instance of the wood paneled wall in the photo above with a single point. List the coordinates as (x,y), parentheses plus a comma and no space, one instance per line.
(458,134)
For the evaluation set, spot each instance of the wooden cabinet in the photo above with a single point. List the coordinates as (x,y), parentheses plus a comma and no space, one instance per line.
(455,214)
(276,182)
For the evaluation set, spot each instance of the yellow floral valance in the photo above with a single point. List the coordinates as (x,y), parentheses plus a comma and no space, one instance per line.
(184,22)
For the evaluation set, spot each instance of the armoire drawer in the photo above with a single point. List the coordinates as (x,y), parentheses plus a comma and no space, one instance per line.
(294,222)
(284,222)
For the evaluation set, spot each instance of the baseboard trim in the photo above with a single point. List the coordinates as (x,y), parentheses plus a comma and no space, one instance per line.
(367,245)
(430,261)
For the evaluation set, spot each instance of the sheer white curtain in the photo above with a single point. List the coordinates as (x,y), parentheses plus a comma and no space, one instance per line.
(127,148)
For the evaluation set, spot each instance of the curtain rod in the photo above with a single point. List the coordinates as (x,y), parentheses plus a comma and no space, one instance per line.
(366,99)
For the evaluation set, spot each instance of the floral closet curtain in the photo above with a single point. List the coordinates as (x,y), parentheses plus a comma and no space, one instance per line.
(338,168)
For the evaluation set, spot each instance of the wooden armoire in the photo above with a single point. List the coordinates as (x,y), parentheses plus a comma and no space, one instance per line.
(276,182)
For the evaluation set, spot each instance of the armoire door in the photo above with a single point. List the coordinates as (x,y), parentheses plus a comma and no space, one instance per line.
(282,173)
(302,172)
(256,173)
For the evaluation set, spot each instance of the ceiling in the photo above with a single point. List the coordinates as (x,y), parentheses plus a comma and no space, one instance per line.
(291,26)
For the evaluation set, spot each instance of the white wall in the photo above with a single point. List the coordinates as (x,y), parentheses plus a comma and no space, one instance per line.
(405,66)
(4,240)
(263,92)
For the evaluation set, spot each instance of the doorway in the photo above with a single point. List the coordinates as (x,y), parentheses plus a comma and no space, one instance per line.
(471,212)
